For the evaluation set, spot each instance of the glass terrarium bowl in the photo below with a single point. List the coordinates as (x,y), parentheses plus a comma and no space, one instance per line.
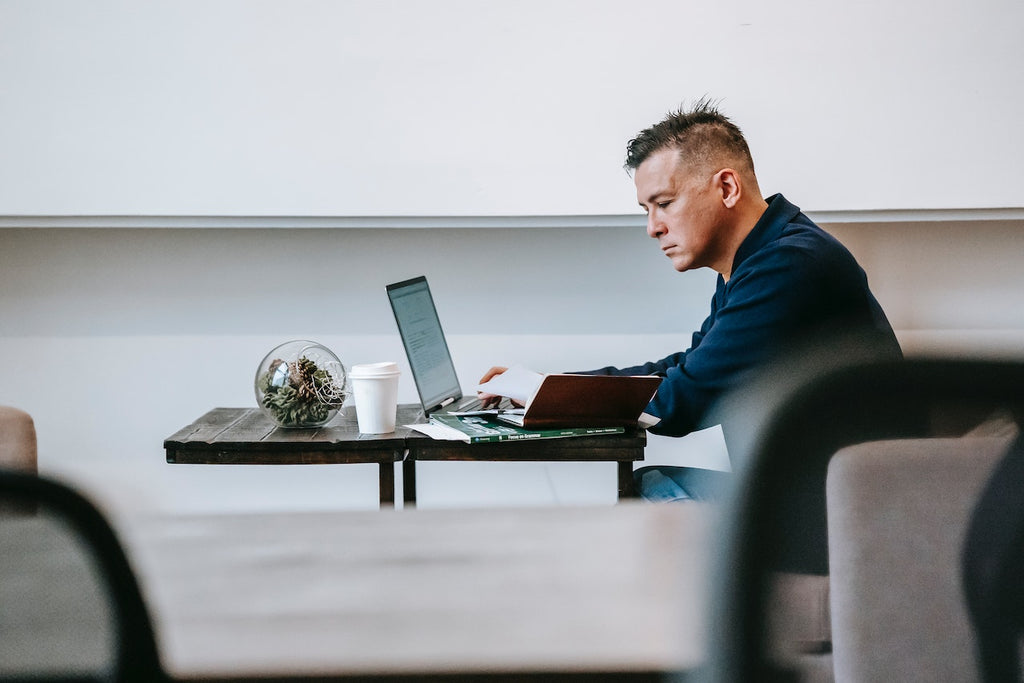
(301,384)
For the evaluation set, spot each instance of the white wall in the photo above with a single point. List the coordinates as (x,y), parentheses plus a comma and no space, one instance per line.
(457,107)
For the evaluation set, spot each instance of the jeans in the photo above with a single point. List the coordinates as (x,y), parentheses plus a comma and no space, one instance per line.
(664,484)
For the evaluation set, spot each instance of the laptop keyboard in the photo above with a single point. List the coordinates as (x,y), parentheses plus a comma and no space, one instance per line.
(470,403)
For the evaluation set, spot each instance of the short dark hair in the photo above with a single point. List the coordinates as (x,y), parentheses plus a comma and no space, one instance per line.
(702,134)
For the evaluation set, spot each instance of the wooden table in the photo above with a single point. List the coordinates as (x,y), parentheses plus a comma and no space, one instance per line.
(234,436)
(245,436)
(623,449)
(600,593)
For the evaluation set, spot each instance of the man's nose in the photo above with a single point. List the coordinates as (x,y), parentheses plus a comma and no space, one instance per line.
(654,226)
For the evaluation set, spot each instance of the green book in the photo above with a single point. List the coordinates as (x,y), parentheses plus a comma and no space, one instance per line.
(480,429)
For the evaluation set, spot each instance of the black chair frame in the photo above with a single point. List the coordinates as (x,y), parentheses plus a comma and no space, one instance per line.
(136,657)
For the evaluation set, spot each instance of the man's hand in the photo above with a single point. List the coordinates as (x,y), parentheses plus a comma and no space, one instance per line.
(490,400)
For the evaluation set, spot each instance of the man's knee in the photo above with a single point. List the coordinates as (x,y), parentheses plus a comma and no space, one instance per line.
(664,484)
(655,485)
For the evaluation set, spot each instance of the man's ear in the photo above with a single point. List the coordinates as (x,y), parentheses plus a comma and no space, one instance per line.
(730,186)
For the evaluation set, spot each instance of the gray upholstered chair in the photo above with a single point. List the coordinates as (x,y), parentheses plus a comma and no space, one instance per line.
(898,511)
(782,433)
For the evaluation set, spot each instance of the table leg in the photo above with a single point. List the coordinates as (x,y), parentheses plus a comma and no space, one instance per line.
(409,482)
(387,484)
(627,489)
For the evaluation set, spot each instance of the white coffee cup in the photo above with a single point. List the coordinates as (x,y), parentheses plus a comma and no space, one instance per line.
(375,387)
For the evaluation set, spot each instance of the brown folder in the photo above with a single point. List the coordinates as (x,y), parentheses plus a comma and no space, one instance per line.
(588,401)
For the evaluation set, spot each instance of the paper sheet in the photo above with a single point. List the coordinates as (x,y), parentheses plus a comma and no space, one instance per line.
(439,432)
(517,383)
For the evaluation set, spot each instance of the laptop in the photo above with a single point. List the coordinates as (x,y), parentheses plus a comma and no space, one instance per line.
(559,401)
(426,348)
(562,400)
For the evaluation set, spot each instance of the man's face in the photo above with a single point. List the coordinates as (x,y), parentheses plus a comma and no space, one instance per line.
(684,212)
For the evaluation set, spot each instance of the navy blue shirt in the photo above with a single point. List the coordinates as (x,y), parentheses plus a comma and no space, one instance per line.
(789,278)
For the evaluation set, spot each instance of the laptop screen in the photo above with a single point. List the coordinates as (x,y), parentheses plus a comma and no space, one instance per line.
(425,345)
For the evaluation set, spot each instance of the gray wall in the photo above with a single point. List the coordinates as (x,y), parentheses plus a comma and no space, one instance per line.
(115,338)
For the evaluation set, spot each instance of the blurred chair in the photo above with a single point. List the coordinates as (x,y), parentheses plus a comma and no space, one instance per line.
(782,432)
(17,440)
(993,570)
(70,607)
(898,512)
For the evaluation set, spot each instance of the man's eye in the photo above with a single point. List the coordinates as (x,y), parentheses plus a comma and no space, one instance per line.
(662,205)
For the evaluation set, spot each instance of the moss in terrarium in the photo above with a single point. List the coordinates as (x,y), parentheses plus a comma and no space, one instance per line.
(299,393)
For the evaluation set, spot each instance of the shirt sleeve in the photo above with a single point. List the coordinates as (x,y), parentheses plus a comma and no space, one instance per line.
(762,306)
(659,368)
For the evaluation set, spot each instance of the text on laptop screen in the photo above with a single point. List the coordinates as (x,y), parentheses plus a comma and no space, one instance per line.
(424,341)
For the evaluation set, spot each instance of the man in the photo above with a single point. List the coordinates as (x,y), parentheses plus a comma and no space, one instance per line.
(781,277)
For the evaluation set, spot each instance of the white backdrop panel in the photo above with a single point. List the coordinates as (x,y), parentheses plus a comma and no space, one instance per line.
(458,107)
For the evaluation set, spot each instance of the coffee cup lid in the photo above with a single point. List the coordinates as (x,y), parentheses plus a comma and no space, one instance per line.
(384,369)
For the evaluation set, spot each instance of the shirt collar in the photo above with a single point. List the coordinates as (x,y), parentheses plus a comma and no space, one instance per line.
(768,227)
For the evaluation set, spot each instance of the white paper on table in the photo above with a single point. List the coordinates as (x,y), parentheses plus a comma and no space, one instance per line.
(516,383)
(439,432)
